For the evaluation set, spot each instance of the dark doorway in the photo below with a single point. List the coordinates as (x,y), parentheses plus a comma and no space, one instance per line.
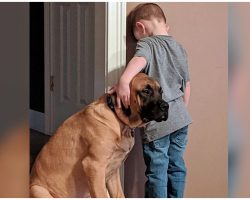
(37,57)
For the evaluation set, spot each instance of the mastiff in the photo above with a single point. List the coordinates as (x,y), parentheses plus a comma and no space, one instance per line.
(83,157)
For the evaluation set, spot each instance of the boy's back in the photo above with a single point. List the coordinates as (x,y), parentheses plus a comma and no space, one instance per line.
(167,63)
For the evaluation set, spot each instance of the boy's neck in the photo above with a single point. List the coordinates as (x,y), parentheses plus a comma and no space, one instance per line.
(159,32)
(159,28)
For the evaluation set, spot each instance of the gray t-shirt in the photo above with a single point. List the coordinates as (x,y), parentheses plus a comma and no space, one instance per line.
(166,63)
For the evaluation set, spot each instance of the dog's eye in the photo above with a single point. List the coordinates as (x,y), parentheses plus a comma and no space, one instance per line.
(147,91)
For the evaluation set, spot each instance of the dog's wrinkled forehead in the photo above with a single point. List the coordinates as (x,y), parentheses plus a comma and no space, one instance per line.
(142,81)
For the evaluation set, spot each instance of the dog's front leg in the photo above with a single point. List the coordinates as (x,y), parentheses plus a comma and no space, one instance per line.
(95,173)
(114,185)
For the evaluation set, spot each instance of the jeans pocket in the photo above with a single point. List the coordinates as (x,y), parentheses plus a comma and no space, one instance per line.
(180,137)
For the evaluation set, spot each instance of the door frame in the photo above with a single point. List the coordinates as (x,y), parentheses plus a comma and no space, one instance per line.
(116,42)
(47,70)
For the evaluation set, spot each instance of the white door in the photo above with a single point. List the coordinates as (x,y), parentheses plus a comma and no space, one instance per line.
(75,76)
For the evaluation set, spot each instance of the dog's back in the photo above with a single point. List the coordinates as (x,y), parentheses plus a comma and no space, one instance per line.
(58,166)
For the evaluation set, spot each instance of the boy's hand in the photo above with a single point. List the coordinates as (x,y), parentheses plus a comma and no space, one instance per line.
(122,94)
(187,93)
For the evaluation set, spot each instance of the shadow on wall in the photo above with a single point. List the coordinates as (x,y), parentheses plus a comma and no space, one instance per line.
(130,39)
(134,165)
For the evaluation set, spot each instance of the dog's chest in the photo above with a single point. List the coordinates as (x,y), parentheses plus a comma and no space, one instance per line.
(120,154)
(126,144)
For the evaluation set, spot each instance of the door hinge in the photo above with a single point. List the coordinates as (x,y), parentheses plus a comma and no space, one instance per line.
(51,83)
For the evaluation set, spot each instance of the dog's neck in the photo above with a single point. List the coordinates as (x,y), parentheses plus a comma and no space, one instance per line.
(110,101)
(123,114)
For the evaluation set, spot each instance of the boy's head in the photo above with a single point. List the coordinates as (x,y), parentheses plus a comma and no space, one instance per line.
(145,18)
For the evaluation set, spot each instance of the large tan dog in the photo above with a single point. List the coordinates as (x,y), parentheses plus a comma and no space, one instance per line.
(83,157)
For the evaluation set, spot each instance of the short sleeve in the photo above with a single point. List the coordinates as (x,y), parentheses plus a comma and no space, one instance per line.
(143,50)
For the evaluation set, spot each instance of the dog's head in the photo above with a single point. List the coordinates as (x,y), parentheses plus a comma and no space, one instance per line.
(146,99)
(146,103)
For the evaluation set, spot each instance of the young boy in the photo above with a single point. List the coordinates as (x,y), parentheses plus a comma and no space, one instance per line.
(161,57)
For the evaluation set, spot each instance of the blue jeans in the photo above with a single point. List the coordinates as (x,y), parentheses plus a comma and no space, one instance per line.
(166,171)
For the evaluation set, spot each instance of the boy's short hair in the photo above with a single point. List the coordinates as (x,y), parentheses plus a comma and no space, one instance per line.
(147,11)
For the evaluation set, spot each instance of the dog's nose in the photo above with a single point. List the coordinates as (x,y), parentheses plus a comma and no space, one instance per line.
(163,106)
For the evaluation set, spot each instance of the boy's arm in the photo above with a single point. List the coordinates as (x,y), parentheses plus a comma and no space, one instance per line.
(187,93)
(135,65)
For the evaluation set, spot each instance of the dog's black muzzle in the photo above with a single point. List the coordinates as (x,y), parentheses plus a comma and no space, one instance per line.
(157,111)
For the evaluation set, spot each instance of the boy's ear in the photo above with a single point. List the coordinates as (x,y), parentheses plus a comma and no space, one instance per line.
(140,26)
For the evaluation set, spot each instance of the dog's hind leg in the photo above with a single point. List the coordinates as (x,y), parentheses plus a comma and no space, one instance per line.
(37,191)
